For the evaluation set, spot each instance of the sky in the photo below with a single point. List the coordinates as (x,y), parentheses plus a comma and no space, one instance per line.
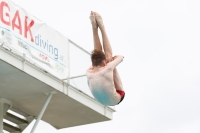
(160,72)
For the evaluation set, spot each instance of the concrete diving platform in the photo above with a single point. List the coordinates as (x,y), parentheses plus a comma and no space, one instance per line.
(27,86)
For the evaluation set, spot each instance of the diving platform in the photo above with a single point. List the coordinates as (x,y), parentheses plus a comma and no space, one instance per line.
(27,87)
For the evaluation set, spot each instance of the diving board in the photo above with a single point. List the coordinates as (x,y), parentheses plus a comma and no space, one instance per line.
(25,85)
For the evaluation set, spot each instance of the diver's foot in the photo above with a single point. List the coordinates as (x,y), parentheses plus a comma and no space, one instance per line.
(93,20)
(99,21)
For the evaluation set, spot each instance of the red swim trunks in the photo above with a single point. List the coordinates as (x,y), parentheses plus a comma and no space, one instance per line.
(122,94)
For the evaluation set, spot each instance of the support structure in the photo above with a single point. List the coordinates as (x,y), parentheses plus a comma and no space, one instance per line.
(4,106)
(1,116)
(68,104)
(43,109)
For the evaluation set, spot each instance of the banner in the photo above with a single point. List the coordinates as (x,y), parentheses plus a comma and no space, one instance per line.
(28,35)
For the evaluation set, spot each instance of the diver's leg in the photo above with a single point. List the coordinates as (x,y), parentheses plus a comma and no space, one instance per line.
(106,44)
(117,80)
(97,43)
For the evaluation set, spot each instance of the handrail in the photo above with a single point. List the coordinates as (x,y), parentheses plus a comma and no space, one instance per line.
(80,47)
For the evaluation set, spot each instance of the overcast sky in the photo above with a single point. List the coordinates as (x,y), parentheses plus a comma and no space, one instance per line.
(160,40)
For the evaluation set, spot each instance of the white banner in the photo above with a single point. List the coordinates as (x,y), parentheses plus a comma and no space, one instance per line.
(28,35)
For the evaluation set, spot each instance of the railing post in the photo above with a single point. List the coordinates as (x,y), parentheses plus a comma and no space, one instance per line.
(68,64)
